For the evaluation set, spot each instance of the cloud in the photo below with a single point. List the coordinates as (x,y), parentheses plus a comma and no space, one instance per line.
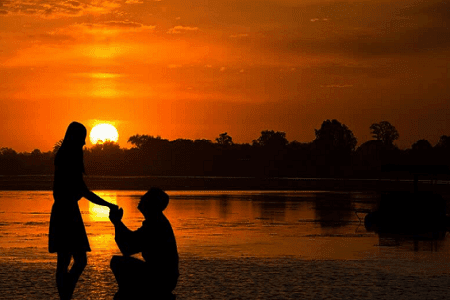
(105,28)
(85,33)
(400,30)
(51,37)
(181,29)
(57,8)
(240,35)
(119,25)
(122,24)
(74,3)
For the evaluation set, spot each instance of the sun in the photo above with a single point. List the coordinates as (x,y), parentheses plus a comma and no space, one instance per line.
(102,133)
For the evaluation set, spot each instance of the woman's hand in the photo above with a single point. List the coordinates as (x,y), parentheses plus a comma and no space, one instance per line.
(115,215)
(94,198)
(113,206)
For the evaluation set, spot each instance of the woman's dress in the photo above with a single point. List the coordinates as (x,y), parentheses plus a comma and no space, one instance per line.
(67,232)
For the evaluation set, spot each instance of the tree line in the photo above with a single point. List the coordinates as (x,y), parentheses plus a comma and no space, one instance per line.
(333,153)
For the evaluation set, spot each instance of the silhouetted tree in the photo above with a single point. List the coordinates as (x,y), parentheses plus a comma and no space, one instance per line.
(203,143)
(36,153)
(442,150)
(298,161)
(9,161)
(224,139)
(336,136)
(269,152)
(107,147)
(35,162)
(371,156)
(384,131)
(444,142)
(421,152)
(330,154)
(332,149)
(271,138)
(422,145)
(104,159)
(7,152)
(140,140)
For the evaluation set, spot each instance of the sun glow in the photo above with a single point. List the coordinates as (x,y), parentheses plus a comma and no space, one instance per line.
(101,213)
(102,133)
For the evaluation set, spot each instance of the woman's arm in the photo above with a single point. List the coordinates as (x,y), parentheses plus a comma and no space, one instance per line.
(97,200)
(91,196)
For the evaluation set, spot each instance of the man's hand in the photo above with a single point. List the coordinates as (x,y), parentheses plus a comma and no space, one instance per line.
(115,215)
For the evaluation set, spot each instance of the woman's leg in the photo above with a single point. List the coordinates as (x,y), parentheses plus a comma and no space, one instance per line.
(79,263)
(62,273)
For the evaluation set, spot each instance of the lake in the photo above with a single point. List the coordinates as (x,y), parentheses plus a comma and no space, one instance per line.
(233,245)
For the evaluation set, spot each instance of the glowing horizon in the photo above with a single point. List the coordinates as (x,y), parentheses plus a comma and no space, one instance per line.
(179,70)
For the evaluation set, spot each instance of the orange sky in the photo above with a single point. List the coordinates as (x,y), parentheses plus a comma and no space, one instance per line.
(197,68)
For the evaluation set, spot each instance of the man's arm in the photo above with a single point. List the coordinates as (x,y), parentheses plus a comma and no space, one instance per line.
(128,241)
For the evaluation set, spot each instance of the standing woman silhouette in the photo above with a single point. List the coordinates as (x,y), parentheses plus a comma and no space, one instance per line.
(67,235)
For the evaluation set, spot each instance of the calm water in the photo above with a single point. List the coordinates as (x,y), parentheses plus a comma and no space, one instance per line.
(305,225)
(233,245)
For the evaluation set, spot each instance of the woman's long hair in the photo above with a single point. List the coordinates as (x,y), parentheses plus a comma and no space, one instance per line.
(70,153)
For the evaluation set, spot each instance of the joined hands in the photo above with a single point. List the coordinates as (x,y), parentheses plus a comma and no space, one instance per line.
(115,214)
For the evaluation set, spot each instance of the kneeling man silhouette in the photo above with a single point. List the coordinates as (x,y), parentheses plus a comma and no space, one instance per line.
(157,276)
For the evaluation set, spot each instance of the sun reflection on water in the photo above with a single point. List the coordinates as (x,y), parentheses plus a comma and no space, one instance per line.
(101,213)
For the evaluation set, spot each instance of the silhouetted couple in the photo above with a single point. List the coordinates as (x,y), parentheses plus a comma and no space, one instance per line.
(155,278)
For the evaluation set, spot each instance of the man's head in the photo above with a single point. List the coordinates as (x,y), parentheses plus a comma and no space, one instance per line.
(155,200)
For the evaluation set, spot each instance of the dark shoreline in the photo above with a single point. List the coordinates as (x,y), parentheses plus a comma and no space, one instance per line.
(45,182)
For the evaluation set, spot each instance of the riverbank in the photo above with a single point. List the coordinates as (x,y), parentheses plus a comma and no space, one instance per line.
(45,182)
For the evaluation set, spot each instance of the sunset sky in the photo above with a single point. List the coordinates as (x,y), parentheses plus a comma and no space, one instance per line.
(196,68)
